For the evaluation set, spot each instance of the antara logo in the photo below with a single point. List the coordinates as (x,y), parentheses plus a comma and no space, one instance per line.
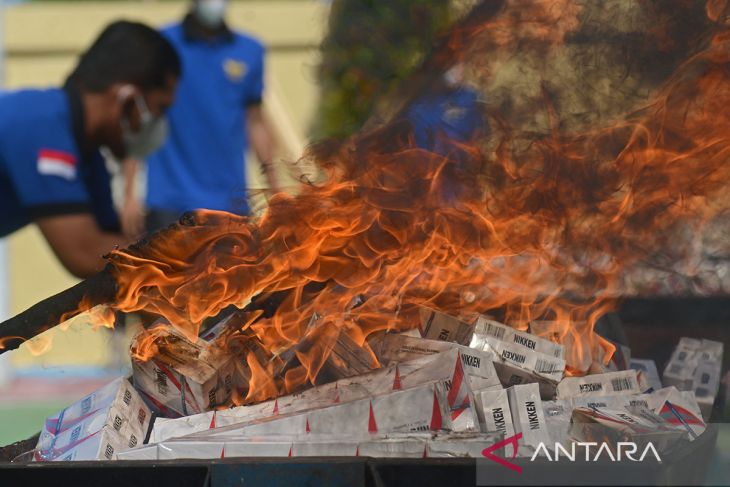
(623,451)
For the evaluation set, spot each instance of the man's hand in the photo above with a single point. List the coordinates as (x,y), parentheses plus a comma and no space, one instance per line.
(132,218)
(262,139)
(132,213)
(78,242)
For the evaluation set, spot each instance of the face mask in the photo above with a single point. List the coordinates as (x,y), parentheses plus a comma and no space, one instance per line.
(150,136)
(455,75)
(211,12)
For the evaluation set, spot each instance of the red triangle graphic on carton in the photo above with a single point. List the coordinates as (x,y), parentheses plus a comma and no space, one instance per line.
(396,381)
(436,419)
(276,407)
(212,421)
(307,426)
(372,425)
(223,452)
(425,451)
(290,447)
(357,451)
(456,382)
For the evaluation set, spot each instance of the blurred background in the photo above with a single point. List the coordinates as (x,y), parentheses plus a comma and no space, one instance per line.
(328,63)
(39,45)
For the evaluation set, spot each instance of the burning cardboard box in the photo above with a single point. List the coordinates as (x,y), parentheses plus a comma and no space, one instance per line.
(621,382)
(182,377)
(446,367)
(521,358)
(435,325)
(422,408)
(400,348)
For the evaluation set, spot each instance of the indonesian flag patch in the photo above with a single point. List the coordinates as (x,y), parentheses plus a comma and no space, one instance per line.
(57,163)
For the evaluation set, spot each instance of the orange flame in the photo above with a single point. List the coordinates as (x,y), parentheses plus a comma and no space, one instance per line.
(539,223)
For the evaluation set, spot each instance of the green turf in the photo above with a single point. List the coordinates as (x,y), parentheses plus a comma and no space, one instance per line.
(22,420)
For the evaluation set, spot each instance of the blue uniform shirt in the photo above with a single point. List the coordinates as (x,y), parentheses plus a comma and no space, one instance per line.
(452,116)
(201,165)
(43,170)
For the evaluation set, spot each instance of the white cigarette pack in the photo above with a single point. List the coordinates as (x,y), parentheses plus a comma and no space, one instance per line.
(101,445)
(647,374)
(184,389)
(478,364)
(442,367)
(189,378)
(541,365)
(621,382)
(486,327)
(680,409)
(118,393)
(147,452)
(422,408)
(440,326)
(494,413)
(528,417)
(557,417)
(116,412)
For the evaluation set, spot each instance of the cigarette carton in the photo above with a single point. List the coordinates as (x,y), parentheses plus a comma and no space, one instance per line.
(478,364)
(116,412)
(439,326)
(680,409)
(528,417)
(184,378)
(486,327)
(423,408)
(621,382)
(614,427)
(557,417)
(494,413)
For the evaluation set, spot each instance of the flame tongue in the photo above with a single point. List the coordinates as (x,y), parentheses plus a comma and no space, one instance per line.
(539,219)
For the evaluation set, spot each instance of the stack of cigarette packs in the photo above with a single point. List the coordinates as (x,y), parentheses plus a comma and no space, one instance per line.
(695,365)
(447,388)
(103,424)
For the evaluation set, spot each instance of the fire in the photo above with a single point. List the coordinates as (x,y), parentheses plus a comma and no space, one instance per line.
(540,219)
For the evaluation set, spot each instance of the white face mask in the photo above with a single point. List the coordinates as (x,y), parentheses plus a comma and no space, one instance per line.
(211,12)
(150,136)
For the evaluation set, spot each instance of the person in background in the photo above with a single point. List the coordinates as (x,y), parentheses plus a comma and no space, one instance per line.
(51,170)
(216,116)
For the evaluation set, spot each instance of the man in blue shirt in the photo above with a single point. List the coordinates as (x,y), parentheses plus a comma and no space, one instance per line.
(216,115)
(51,170)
